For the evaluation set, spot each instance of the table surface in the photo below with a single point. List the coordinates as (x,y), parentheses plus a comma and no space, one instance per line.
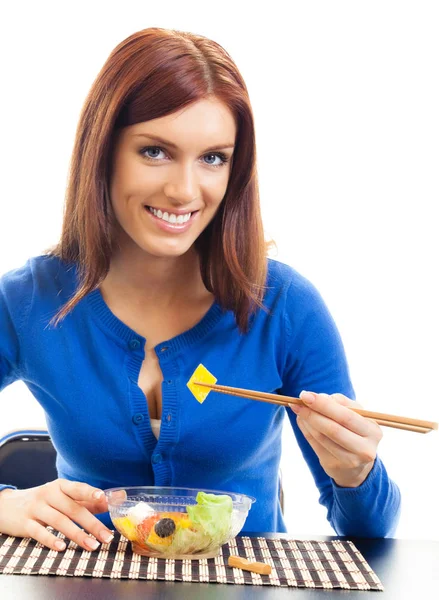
(408,569)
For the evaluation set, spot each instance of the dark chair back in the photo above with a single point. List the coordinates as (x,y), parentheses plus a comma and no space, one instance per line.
(27,459)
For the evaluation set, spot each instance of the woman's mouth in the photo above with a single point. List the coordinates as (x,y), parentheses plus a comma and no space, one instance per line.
(170,221)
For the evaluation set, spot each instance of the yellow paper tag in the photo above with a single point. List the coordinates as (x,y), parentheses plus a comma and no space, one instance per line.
(203,375)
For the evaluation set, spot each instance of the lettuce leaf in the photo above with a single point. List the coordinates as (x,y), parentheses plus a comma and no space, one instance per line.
(214,515)
(190,541)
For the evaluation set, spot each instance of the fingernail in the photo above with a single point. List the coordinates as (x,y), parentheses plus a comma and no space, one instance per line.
(97,495)
(296,409)
(106,536)
(91,543)
(307,397)
(60,545)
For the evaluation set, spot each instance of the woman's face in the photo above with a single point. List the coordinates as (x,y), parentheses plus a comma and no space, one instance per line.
(169,176)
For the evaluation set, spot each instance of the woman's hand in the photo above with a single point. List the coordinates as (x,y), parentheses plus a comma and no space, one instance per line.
(60,504)
(344,441)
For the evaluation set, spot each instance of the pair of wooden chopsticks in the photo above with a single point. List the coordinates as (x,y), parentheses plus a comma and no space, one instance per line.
(405,423)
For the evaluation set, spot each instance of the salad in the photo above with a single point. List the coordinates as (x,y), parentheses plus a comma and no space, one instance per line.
(204,525)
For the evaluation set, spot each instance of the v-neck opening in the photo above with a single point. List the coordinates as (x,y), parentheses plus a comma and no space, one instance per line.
(123,332)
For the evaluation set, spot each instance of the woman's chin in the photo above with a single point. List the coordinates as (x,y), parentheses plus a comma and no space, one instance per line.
(166,250)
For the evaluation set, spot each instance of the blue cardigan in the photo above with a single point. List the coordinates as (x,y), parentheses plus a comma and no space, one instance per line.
(84,374)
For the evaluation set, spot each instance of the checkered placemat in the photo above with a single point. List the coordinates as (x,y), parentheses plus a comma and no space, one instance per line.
(295,563)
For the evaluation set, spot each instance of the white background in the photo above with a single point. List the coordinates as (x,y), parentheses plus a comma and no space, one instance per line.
(345,97)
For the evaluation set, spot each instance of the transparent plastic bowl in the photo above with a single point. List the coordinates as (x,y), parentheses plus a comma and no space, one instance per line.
(135,512)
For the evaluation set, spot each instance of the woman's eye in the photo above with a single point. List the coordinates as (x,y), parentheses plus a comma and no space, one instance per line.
(151,152)
(221,157)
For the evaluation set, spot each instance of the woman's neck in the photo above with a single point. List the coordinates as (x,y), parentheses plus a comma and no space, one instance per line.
(151,279)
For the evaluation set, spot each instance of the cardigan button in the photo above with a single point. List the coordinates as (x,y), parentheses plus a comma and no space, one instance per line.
(134,344)
(156,458)
(138,418)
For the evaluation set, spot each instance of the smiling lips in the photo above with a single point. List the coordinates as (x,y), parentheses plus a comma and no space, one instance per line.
(170,217)
(169,221)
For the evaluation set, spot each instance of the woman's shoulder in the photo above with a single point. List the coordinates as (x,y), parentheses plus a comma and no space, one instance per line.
(299,304)
(286,280)
(43,273)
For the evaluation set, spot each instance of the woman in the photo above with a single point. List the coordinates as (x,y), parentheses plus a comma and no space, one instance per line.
(162,266)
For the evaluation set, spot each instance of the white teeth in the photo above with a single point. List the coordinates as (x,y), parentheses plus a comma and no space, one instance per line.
(170,217)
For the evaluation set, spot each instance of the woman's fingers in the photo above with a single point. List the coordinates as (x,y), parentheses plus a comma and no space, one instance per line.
(78,513)
(95,506)
(63,505)
(80,491)
(333,435)
(325,405)
(41,534)
(335,453)
(345,401)
(359,440)
(344,441)
(345,468)
(61,522)
(323,454)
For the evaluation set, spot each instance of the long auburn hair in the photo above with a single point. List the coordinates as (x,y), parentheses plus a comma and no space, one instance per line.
(153,73)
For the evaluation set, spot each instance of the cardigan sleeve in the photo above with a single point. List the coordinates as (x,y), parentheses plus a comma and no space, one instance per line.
(15,291)
(316,361)
(9,342)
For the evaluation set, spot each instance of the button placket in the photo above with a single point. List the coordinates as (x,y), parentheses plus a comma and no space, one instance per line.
(161,458)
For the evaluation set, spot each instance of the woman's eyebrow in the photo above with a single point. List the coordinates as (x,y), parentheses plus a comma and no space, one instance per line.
(156,138)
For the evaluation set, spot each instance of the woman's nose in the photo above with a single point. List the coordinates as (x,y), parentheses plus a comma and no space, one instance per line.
(183,188)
